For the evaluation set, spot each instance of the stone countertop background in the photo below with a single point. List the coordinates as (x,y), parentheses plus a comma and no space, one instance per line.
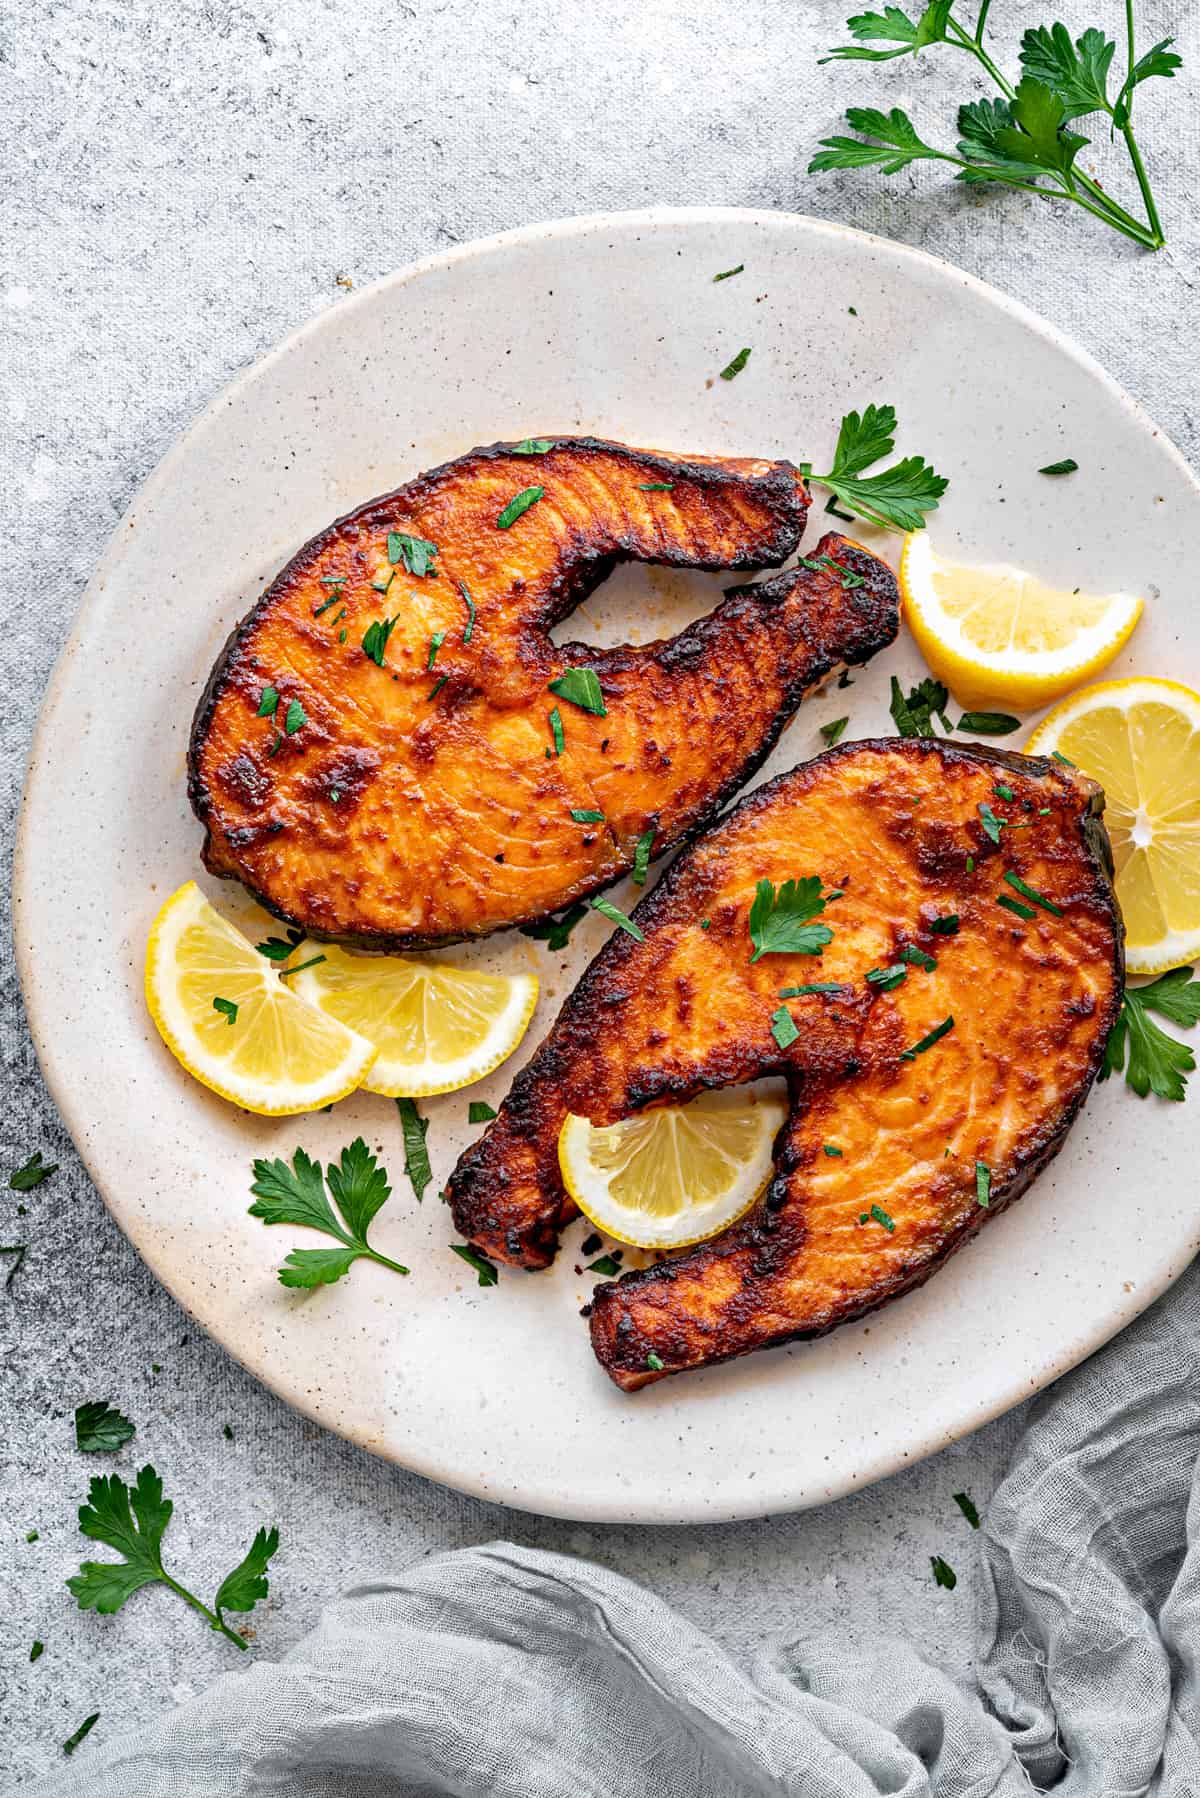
(183,183)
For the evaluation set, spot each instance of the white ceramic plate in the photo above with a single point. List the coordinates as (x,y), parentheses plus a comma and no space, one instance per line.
(613,326)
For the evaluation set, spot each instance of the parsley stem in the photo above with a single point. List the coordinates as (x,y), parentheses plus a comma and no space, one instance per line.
(974,45)
(1131,144)
(396,1266)
(215,1621)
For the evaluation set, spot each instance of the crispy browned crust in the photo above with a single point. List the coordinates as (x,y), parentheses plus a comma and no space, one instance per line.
(893,824)
(416,806)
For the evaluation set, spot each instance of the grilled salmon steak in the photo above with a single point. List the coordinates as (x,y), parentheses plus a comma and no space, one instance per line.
(392,752)
(945,1038)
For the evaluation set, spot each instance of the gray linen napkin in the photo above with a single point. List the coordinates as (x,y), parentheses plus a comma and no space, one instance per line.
(505,1671)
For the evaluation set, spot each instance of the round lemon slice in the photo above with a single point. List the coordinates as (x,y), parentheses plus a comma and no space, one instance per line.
(436,1028)
(1141,740)
(676,1174)
(223,1011)
(1001,634)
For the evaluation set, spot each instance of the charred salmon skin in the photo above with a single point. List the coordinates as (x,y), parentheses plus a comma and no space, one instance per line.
(391,751)
(947,1035)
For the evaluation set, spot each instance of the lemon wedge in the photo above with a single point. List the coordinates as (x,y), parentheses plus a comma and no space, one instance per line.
(1001,634)
(676,1174)
(1141,740)
(436,1028)
(225,1014)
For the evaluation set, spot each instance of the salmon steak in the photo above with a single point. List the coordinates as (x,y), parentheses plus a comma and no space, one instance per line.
(937,1045)
(391,751)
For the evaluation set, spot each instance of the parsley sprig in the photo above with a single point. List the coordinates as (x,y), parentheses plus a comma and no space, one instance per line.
(896,498)
(133,1520)
(781,920)
(296,1195)
(1022,140)
(1157,1063)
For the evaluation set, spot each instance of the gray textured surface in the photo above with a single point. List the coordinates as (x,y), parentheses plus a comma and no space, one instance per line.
(182,185)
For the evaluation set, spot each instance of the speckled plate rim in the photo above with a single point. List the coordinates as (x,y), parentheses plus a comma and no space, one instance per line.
(530,1494)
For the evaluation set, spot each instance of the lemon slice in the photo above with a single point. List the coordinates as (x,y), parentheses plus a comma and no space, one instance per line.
(1001,634)
(436,1028)
(1141,740)
(262,1047)
(676,1174)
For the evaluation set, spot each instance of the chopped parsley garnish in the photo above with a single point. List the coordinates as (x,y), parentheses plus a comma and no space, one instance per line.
(813,986)
(1015,906)
(913,715)
(1068,465)
(295,718)
(1003,792)
(37,1650)
(375,638)
(581,816)
(608,1265)
(615,915)
(966,1505)
(992,825)
(848,578)
(227,1008)
(727,274)
(881,1217)
(1158,1063)
(32,1173)
(556,730)
(383,586)
(927,1042)
(268,699)
(1056,756)
(989,724)
(983,1184)
(89,1723)
(435,643)
(487,1272)
(342,634)
(917,957)
(736,366)
(780,921)
(656,486)
(1014,880)
(831,1149)
(832,731)
(414,554)
(436,688)
(581,686)
(296,1195)
(556,932)
(946,926)
(314,961)
(30,1535)
(886,979)
(532,446)
(943,1573)
(470,605)
(899,496)
(479,1112)
(275,948)
(133,1520)
(416,1155)
(654,1362)
(18,1251)
(333,599)
(641,857)
(783,1027)
(100,1429)
(517,506)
